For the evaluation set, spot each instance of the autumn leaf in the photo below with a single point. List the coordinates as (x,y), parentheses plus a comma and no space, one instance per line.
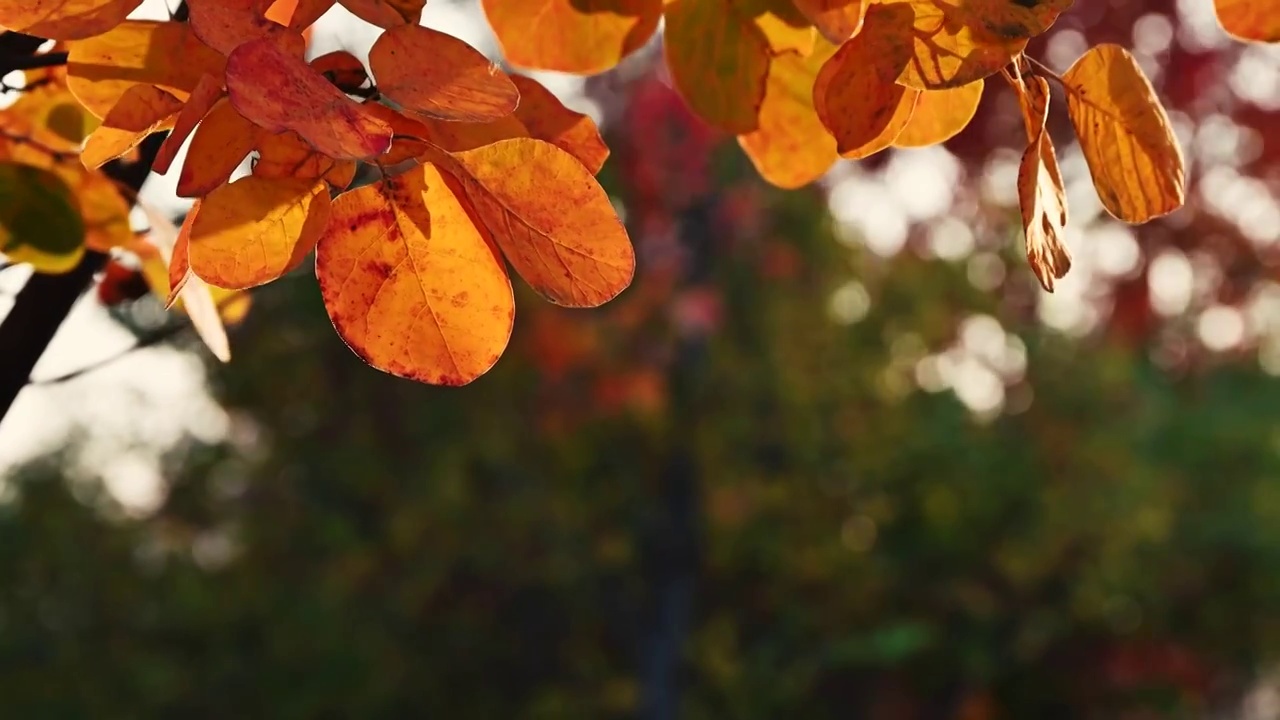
(718,61)
(39,222)
(855,93)
(1041,194)
(436,75)
(252,231)
(573,36)
(940,115)
(791,148)
(101,69)
(1126,136)
(203,98)
(53,116)
(298,14)
(1252,20)
(950,43)
(287,155)
(266,85)
(342,69)
(222,140)
(550,217)
(65,19)
(386,13)
(142,111)
(837,20)
(784,28)
(410,281)
(225,25)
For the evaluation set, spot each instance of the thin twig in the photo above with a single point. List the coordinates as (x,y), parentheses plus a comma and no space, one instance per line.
(57,155)
(1042,69)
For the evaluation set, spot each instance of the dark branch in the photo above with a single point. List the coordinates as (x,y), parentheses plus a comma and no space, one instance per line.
(34,62)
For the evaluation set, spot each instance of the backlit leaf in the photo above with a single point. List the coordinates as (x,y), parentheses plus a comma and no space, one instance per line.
(1041,194)
(65,19)
(940,115)
(791,148)
(837,20)
(203,98)
(784,28)
(1256,20)
(256,229)
(55,118)
(951,45)
(220,143)
(439,76)
(289,156)
(298,14)
(410,281)
(1126,137)
(855,94)
(141,111)
(224,25)
(386,13)
(101,69)
(267,85)
(718,62)
(574,36)
(544,117)
(39,222)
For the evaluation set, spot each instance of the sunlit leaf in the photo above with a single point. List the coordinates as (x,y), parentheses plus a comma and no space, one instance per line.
(575,36)
(203,98)
(65,19)
(1042,196)
(287,155)
(439,76)
(544,117)
(224,25)
(342,69)
(142,111)
(298,14)
(411,282)
(386,13)
(837,20)
(1126,136)
(951,44)
(791,148)
(940,115)
(784,28)
(1255,20)
(39,221)
(718,62)
(222,140)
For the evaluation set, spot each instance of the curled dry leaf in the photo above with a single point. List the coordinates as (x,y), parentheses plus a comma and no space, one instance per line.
(411,282)
(1254,20)
(63,19)
(1041,194)
(267,84)
(940,115)
(550,217)
(203,98)
(950,43)
(1126,137)
(439,76)
(222,140)
(142,110)
(837,20)
(856,94)
(101,69)
(252,231)
(386,13)
(791,148)
(573,36)
(719,62)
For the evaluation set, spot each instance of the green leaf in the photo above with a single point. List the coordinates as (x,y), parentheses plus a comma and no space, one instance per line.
(39,222)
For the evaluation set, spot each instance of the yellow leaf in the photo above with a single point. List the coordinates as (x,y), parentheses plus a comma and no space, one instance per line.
(791,148)
(940,115)
(1254,20)
(203,98)
(718,62)
(855,94)
(1125,134)
(951,44)
(101,69)
(252,231)
(142,110)
(65,19)
(574,36)
(784,28)
(550,217)
(410,281)
(837,20)
(1041,194)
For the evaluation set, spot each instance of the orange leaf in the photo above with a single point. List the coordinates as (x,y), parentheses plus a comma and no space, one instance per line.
(951,42)
(855,93)
(1255,20)
(179,261)
(143,110)
(551,218)
(791,148)
(940,115)
(225,25)
(1125,134)
(439,76)
(256,229)
(1041,194)
(546,118)
(718,61)
(837,20)
(386,13)
(298,14)
(410,281)
(784,28)
(342,69)
(268,86)
(574,36)
(65,19)
(220,143)
(101,69)
(203,98)
(287,155)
